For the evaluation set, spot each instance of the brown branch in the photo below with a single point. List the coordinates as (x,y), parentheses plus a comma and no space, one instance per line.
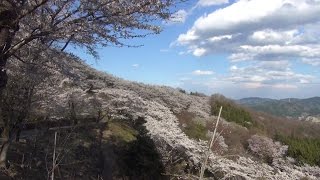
(66,16)
(32,10)
(25,41)
(64,47)
(58,11)
(14,55)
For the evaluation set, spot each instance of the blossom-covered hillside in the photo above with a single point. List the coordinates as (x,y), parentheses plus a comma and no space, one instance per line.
(77,90)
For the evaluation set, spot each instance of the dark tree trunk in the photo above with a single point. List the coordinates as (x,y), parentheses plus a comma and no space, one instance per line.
(4,34)
(18,134)
(8,28)
(4,153)
(5,146)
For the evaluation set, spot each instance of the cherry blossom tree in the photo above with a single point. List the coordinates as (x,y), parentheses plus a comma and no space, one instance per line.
(84,23)
(54,24)
(266,148)
(26,79)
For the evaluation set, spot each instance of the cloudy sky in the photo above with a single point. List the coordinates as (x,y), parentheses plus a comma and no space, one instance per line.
(239,48)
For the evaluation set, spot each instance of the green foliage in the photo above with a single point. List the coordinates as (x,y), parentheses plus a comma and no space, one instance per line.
(231,111)
(196,131)
(122,131)
(304,150)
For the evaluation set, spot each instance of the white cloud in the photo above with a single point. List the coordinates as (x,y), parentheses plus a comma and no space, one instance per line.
(199,52)
(201,72)
(236,57)
(281,65)
(267,37)
(205,3)
(313,62)
(135,65)
(255,30)
(250,89)
(274,74)
(285,86)
(244,16)
(178,17)
(189,37)
(219,38)
(249,52)
(233,68)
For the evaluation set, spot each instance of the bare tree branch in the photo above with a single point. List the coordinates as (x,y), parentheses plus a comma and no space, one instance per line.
(64,47)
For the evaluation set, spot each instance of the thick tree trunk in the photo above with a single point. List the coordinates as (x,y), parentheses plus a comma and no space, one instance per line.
(4,34)
(4,147)
(8,27)
(4,153)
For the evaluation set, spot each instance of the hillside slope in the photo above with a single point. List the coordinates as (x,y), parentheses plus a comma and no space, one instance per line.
(92,92)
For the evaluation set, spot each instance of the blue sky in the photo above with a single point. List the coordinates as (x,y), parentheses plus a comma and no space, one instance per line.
(237,48)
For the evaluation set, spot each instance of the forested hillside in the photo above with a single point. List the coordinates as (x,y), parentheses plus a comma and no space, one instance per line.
(62,119)
(284,107)
(100,117)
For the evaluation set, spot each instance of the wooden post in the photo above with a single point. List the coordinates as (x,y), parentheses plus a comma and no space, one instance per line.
(207,154)
(54,155)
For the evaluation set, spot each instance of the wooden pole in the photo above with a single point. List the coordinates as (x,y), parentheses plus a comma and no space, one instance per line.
(54,156)
(207,154)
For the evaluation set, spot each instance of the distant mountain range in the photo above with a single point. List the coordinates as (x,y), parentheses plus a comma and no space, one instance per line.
(290,107)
